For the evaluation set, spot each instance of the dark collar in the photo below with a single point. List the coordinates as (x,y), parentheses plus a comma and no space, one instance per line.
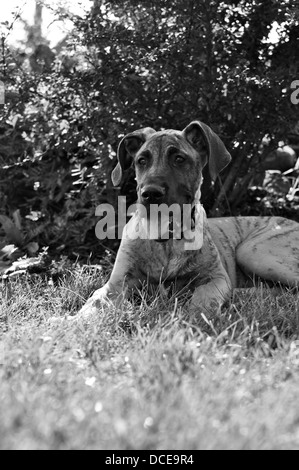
(163,240)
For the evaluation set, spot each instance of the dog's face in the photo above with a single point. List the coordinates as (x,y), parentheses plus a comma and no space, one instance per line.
(168,164)
(168,169)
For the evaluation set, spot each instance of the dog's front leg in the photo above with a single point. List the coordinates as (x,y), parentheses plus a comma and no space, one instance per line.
(214,285)
(208,298)
(115,289)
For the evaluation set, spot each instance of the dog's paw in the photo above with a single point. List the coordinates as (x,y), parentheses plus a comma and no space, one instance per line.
(210,297)
(105,296)
(210,307)
(94,304)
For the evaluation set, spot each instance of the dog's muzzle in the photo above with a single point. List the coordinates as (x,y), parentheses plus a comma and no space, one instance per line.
(153,194)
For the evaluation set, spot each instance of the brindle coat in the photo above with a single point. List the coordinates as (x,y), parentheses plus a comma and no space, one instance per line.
(168,167)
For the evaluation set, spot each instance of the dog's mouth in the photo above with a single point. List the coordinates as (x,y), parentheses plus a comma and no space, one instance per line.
(167,226)
(168,217)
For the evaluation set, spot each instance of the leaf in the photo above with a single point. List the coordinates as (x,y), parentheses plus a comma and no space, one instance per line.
(13,234)
(32,248)
(22,265)
(10,252)
(4,266)
(17,219)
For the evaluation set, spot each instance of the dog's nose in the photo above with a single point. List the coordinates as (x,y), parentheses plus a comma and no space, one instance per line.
(153,194)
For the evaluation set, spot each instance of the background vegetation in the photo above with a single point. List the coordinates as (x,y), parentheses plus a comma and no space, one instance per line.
(147,375)
(129,64)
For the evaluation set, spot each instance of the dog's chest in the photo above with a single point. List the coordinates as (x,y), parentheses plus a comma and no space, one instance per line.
(158,262)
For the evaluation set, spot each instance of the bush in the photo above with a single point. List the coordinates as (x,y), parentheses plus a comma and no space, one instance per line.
(136,64)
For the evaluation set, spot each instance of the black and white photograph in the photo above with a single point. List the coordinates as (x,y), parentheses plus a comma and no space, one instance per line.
(149,227)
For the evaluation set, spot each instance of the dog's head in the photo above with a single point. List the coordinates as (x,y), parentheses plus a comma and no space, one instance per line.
(169,163)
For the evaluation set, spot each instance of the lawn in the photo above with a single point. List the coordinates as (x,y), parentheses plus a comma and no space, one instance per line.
(146,377)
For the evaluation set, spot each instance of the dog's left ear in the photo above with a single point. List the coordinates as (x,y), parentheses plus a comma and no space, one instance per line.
(127,149)
(202,138)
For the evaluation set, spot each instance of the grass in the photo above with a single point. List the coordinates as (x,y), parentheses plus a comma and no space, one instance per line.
(147,377)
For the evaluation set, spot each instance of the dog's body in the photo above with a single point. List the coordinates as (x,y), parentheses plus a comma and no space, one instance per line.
(229,251)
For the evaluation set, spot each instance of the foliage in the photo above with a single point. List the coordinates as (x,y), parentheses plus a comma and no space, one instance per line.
(130,64)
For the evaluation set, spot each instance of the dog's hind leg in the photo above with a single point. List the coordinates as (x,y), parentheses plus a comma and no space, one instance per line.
(272,254)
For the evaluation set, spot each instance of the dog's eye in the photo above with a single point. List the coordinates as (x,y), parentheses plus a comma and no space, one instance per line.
(179,159)
(141,161)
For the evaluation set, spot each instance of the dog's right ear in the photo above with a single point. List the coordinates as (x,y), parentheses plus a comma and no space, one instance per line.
(127,150)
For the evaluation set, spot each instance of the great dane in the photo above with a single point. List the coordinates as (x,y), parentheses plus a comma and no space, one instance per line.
(210,256)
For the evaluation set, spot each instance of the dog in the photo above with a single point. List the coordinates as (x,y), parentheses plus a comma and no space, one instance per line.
(211,257)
